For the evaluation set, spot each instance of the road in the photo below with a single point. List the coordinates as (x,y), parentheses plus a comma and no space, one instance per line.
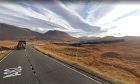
(33,67)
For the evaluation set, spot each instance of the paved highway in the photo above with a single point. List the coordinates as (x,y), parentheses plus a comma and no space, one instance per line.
(32,67)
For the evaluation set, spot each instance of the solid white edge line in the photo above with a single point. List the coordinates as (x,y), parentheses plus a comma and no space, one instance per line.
(6,56)
(71,68)
(75,70)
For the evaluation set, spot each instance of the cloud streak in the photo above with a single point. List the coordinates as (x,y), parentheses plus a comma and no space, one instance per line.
(44,17)
(78,19)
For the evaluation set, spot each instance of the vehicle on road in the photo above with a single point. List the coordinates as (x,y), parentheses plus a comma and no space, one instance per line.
(21,45)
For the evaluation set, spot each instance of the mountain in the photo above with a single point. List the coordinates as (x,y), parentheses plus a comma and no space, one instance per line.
(55,35)
(85,38)
(90,39)
(131,37)
(107,39)
(12,32)
(9,32)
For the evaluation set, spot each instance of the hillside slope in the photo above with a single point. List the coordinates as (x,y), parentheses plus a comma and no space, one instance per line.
(12,32)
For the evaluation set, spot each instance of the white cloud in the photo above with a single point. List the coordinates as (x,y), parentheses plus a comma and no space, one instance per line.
(114,18)
(127,26)
(43,17)
(120,20)
(119,10)
(77,6)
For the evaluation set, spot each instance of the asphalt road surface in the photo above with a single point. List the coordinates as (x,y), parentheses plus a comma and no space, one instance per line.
(32,67)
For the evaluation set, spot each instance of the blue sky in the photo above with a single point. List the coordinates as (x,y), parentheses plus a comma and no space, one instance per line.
(77,18)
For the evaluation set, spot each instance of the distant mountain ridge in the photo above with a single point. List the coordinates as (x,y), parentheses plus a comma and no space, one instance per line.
(85,38)
(55,35)
(107,39)
(10,32)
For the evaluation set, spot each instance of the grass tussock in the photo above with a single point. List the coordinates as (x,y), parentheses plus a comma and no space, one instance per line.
(116,62)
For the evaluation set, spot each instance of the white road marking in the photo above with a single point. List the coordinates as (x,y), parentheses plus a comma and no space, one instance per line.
(6,56)
(71,68)
(10,72)
(75,70)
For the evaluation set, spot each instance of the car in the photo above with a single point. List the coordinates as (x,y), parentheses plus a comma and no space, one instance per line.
(21,45)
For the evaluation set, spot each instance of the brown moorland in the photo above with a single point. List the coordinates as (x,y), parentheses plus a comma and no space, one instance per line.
(116,62)
(6,45)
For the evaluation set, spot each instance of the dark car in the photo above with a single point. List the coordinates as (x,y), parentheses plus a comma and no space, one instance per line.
(21,45)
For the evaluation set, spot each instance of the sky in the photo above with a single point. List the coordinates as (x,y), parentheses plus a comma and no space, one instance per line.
(91,18)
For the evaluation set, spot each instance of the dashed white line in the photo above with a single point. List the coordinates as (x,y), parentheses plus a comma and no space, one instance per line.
(6,56)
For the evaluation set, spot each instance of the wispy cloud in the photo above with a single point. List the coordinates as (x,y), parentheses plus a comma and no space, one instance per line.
(76,18)
(45,16)
(116,18)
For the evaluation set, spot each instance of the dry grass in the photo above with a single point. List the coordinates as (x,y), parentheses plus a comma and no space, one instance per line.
(2,54)
(116,62)
(6,45)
